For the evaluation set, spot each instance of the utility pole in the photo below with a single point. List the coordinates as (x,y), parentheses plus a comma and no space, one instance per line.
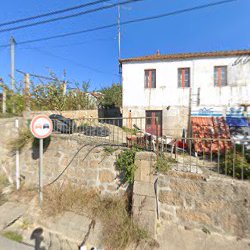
(13,61)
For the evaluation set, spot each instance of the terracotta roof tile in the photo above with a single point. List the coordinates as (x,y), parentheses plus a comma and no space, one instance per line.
(210,127)
(180,56)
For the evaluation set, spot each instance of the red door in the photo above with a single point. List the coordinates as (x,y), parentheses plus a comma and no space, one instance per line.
(154,122)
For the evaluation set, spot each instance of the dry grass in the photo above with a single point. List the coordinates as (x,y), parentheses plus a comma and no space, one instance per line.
(3,183)
(118,226)
(58,199)
(23,139)
(24,194)
(164,163)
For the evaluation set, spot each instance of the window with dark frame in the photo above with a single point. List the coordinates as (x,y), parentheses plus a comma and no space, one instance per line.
(150,78)
(184,77)
(220,76)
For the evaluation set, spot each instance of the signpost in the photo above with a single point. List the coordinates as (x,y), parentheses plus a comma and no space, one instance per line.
(41,127)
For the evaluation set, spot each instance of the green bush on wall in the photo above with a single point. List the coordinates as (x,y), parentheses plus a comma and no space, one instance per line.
(236,164)
(126,164)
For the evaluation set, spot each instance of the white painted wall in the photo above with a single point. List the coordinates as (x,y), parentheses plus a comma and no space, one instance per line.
(167,93)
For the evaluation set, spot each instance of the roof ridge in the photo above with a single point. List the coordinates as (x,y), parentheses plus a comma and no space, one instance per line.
(188,55)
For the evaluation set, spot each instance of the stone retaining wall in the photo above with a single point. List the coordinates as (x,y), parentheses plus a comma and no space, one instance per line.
(80,164)
(194,201)
(73,114)
(144,192)
(8,132)
(214,203)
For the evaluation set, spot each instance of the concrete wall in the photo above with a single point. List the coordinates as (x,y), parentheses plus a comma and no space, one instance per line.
(138,99)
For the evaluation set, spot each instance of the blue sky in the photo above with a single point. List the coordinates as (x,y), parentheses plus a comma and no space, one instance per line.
(94,56)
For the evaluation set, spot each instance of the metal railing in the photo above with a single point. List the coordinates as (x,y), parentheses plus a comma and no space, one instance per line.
(226,156)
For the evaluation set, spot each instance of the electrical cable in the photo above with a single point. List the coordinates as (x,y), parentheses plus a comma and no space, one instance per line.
(74,44)
(78,151)
(69,16)
(177,12)
(72,61)
(53,12)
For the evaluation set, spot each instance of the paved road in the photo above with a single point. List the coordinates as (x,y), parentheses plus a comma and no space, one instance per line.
(6,244)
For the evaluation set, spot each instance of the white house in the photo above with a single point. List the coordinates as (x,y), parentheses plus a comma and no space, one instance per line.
(169,86)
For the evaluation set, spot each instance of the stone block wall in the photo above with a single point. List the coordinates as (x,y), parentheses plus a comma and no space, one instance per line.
(80,164)
(174,118)
(144,192)
(73,114)
(214,203)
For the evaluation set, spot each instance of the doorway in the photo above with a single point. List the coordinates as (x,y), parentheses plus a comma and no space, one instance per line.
(154,122)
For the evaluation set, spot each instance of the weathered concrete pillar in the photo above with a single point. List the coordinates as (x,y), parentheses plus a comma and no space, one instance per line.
(144,195)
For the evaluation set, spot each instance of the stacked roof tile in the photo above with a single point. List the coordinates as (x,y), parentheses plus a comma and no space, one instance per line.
(210,132)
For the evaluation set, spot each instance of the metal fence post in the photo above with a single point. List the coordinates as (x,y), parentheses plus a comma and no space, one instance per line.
(40,171)
(17,159)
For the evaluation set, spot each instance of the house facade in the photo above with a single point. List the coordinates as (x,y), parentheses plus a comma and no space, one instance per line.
(173,86)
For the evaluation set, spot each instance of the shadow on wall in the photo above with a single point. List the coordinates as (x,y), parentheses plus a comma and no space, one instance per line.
(114,112)
(35,147)
(106,115)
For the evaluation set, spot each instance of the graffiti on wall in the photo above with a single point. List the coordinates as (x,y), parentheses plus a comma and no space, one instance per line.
(207,111)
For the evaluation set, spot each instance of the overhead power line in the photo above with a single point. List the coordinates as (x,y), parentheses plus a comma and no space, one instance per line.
(69,16)
(44,52)
(53,12)
(177,12)
(74,44)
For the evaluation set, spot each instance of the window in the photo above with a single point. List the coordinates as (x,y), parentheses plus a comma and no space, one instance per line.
(220,76)
(184,77)
(150,78)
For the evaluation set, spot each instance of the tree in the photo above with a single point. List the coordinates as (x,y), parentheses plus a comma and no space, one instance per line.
(112,96)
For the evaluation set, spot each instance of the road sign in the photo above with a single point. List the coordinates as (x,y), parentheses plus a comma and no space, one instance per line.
(41,126)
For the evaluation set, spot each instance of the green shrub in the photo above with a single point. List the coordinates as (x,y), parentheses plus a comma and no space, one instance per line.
(109,150)
(13,236)
(25,136)
(163,163)
(236,163)
(126,164)
(131,131)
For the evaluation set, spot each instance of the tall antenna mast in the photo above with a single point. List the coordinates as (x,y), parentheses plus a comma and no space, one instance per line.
(119,31)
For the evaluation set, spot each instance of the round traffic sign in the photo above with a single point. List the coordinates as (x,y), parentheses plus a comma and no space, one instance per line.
(41,126)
